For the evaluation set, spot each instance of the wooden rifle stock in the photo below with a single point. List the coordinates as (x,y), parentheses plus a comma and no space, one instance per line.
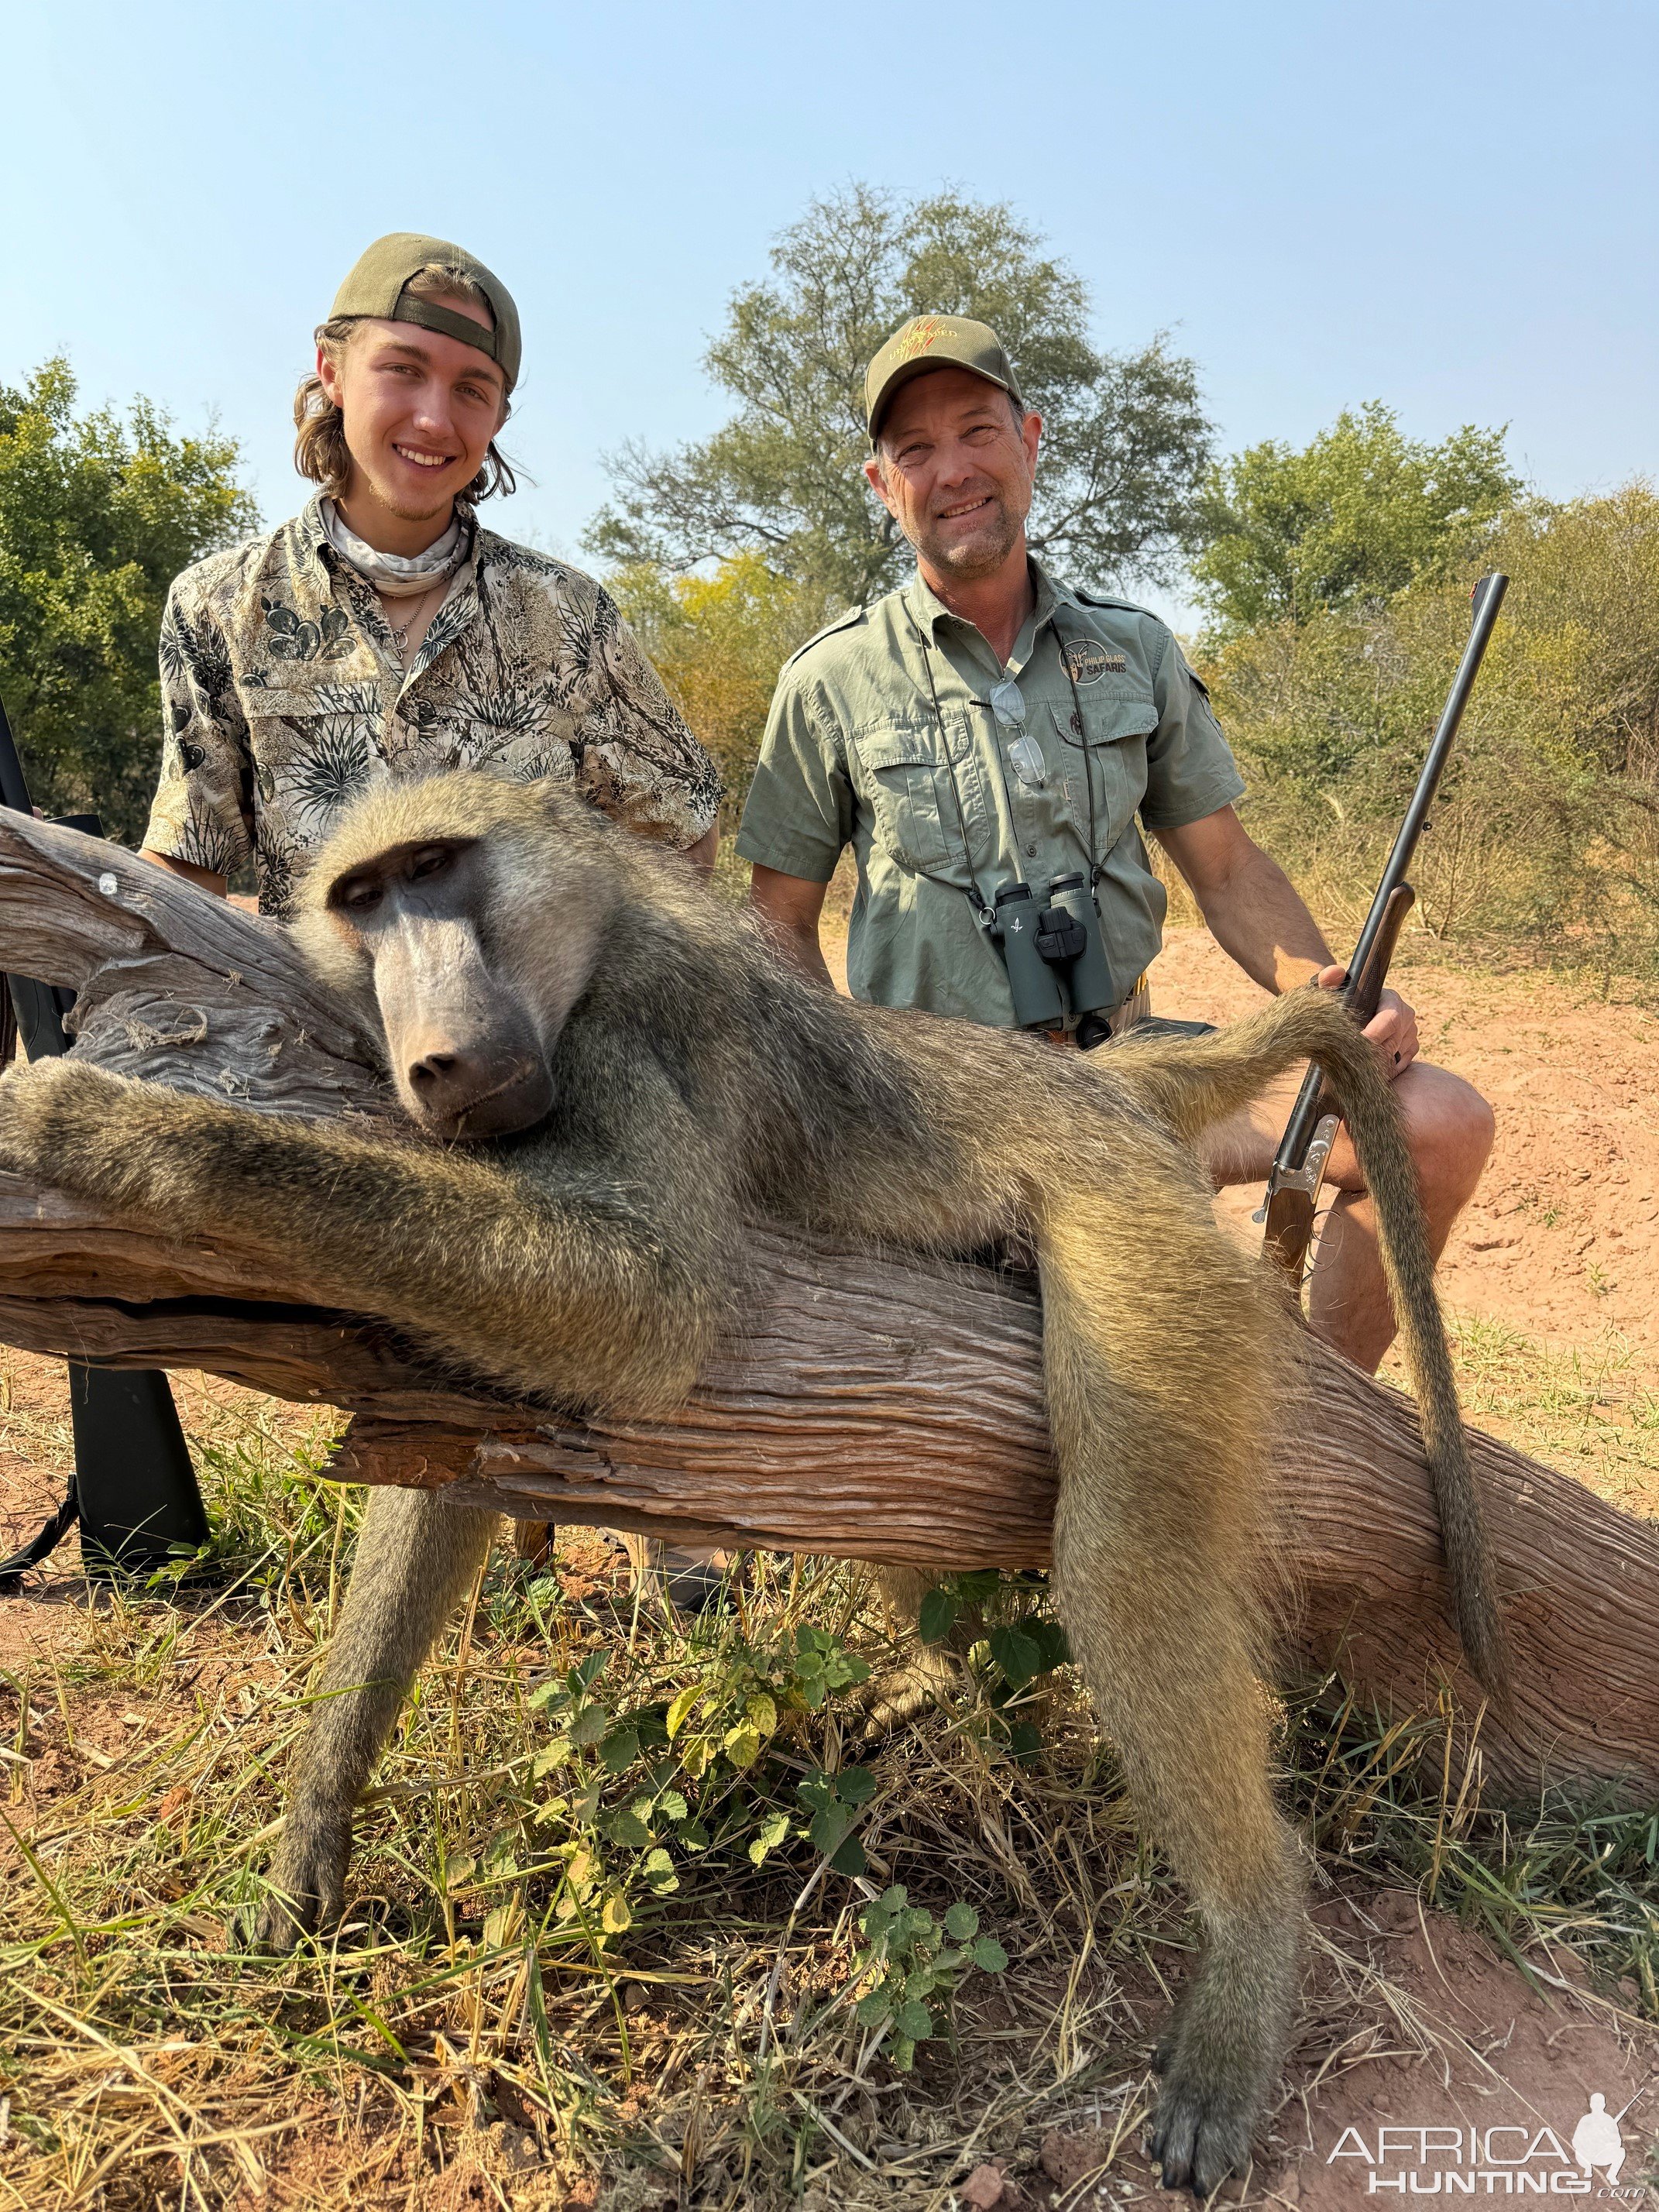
(1304,1150)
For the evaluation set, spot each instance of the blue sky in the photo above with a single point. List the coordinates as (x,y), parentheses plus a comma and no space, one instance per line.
(1450,207)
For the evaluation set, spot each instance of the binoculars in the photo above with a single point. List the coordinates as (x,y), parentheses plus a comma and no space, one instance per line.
(1056,959)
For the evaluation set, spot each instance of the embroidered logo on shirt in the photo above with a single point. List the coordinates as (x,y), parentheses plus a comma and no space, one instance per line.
(1088,661)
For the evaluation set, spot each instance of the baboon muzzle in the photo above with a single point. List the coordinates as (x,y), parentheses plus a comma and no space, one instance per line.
(478,1093)
(464,1054)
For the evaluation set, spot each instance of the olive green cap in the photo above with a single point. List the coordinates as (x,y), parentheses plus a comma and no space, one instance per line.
(376,286)
(935,342)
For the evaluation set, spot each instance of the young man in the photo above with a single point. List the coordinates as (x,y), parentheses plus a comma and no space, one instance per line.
(383,632)
(988,724)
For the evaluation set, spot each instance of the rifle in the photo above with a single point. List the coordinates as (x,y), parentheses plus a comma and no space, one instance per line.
(133,1489)
(1304,1150)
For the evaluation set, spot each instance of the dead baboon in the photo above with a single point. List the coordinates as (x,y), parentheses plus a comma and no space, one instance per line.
(637,1072)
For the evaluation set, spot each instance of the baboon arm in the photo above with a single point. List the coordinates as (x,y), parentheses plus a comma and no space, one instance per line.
(555,1277)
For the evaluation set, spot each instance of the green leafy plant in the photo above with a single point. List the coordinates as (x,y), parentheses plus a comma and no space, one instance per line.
(99,511)
(1018,1648)
(641,1789)
(914,1965)
(835,1800)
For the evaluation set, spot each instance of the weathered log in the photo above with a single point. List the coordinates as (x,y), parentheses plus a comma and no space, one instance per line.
(867,1405)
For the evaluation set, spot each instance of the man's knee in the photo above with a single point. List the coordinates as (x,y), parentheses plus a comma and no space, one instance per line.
(1449,1127)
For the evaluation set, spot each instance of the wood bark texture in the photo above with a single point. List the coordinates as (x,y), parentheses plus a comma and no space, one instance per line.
(863,1405)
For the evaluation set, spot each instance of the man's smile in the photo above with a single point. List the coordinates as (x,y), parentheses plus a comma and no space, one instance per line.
(964,507)
(422,457)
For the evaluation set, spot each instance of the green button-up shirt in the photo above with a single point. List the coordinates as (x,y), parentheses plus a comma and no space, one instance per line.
(857,751)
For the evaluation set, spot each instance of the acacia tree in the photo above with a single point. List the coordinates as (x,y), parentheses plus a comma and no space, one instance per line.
(97,516)
(1356,516)
(1126,441)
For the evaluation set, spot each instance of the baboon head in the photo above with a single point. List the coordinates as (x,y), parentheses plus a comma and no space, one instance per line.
(471,913)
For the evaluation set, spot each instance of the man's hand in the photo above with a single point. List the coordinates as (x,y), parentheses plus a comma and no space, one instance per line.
(701,855)
(1392,1029)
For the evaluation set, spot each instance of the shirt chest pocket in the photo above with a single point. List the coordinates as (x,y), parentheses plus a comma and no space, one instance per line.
(899,775)
(1105,765)
(313,752)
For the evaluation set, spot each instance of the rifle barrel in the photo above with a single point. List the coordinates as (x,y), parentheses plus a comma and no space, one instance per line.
(1488,597)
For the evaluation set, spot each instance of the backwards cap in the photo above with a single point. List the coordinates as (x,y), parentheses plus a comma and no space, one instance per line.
(376,287)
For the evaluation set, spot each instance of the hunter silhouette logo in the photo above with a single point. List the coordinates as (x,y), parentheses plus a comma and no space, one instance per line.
(1596,2139)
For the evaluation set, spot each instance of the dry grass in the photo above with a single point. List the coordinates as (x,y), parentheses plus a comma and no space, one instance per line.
(1589,1409)
(477,2029)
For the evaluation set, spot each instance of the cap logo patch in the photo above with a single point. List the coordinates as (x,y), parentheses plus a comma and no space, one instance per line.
(1087,662)
(922,339)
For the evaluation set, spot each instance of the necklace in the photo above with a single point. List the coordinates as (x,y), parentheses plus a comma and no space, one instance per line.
(400,636)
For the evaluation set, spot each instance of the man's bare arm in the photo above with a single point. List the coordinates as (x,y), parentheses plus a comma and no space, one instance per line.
(702,855)
(207,878)
(1258,917)
(1255,913)
(790,907)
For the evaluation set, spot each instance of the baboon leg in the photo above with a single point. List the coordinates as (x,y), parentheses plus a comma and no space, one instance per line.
(1155,1545)
(533,1541)
(416,1557)
(926,1676)
(1170,1677)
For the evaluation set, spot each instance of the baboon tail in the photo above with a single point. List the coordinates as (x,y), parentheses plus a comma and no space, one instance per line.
(1195,1083)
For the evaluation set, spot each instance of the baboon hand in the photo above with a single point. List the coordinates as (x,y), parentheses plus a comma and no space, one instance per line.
(307,1882)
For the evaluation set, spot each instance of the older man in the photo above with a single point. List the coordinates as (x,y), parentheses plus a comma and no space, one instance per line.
(988,725)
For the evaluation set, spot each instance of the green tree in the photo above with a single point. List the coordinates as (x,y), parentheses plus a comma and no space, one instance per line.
(1126,440)
(717,642)
(1356,516)
(1546,827)
(97,516)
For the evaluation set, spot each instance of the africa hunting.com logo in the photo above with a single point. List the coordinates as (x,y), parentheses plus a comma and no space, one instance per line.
(1506,2160)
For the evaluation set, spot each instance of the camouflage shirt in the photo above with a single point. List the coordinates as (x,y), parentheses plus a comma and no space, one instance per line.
(283,696)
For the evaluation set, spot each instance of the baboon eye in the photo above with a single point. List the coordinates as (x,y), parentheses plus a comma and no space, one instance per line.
(431,862)
(365,892)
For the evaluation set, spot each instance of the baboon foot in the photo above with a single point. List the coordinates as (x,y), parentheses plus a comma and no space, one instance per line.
(927,1679)
(1203,2126)
(307,1884)
(1220,2059)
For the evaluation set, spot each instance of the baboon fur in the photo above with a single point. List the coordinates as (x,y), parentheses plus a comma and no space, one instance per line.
(678,1078)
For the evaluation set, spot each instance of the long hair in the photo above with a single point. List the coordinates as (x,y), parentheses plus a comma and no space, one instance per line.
(320,445)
